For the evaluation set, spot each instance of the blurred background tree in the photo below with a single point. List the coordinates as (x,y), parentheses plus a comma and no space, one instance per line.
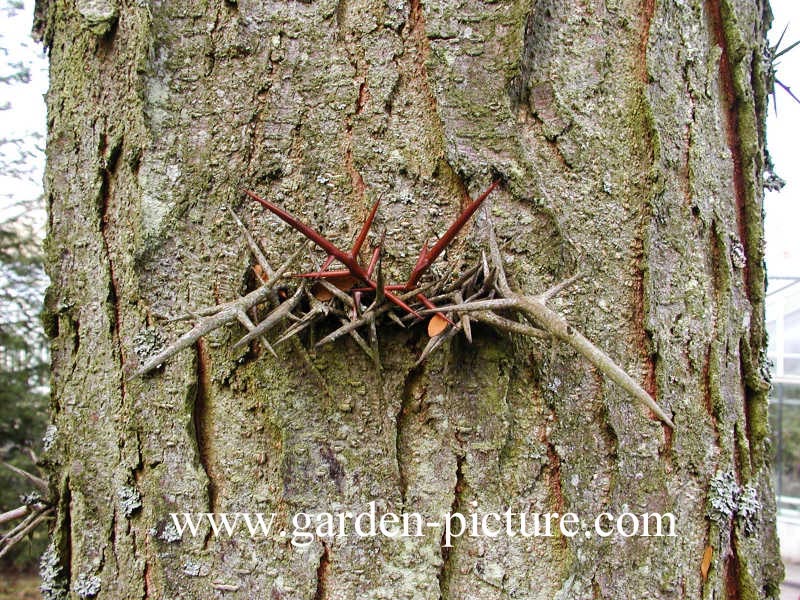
(24,365)
(23,373)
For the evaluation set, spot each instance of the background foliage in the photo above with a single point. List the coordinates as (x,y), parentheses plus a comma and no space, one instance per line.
(23,359)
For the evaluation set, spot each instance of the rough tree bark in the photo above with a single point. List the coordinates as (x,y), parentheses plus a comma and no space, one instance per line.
(630,136)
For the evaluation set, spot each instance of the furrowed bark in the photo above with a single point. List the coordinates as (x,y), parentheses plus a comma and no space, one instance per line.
(629,139)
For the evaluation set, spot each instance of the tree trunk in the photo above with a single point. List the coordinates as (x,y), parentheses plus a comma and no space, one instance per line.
(629,137)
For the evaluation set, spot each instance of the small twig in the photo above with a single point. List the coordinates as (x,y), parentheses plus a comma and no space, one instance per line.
(31,515)
(226,313)
(558,327)
(787,89)
(16,513)
(773,54)
(190,316)
(436,342)
(248,324)
(276,316)
(358,339)
(508,325)
(373,312)
(17,533)
(37,481)
(349,326)
(558,288)
(30,524)
(374,345)
(464,319)
(254,247)
(497,304)
(785,50)
(317,312)
(348,301)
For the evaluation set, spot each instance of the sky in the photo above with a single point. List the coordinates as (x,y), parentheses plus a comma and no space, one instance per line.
(783,133)
(22,110)
(25,119)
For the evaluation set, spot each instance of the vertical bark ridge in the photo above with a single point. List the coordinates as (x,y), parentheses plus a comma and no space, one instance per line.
(710,380)
(359,65)
(416,27)
(730,106)
(648,11)
(554,477)
(108,155)
(418,36)
(642,242)
(641,245)
(731,569)
(640,286)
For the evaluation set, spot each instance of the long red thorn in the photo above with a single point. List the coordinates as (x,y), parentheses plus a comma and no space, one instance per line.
(307,231)
(327,262)
(419,266)
(376,253)
(431,255)
(396,301)
(348,261)
(364,230)
(428,304)
(392,288)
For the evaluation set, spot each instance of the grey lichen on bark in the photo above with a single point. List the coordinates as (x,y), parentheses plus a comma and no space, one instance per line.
(631,137)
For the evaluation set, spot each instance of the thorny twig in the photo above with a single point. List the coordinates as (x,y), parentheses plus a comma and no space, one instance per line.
(40,483)
(772,54)
(534,308)
(217,316)
(34,514)
(479,294)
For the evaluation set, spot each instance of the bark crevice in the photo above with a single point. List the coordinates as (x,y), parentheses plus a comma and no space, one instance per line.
(446,552)
(323,572)
(109,153)
(202,424)
(407,402)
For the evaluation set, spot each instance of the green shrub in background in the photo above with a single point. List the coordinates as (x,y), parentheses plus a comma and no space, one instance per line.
(23,380)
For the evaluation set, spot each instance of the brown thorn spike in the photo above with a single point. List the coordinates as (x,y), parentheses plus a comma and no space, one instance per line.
(307,231)
(425,260)
(364,230)
(344,257)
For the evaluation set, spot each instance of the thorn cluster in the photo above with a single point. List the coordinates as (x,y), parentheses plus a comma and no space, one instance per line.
(771,55)
(480,293)
(31,514)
